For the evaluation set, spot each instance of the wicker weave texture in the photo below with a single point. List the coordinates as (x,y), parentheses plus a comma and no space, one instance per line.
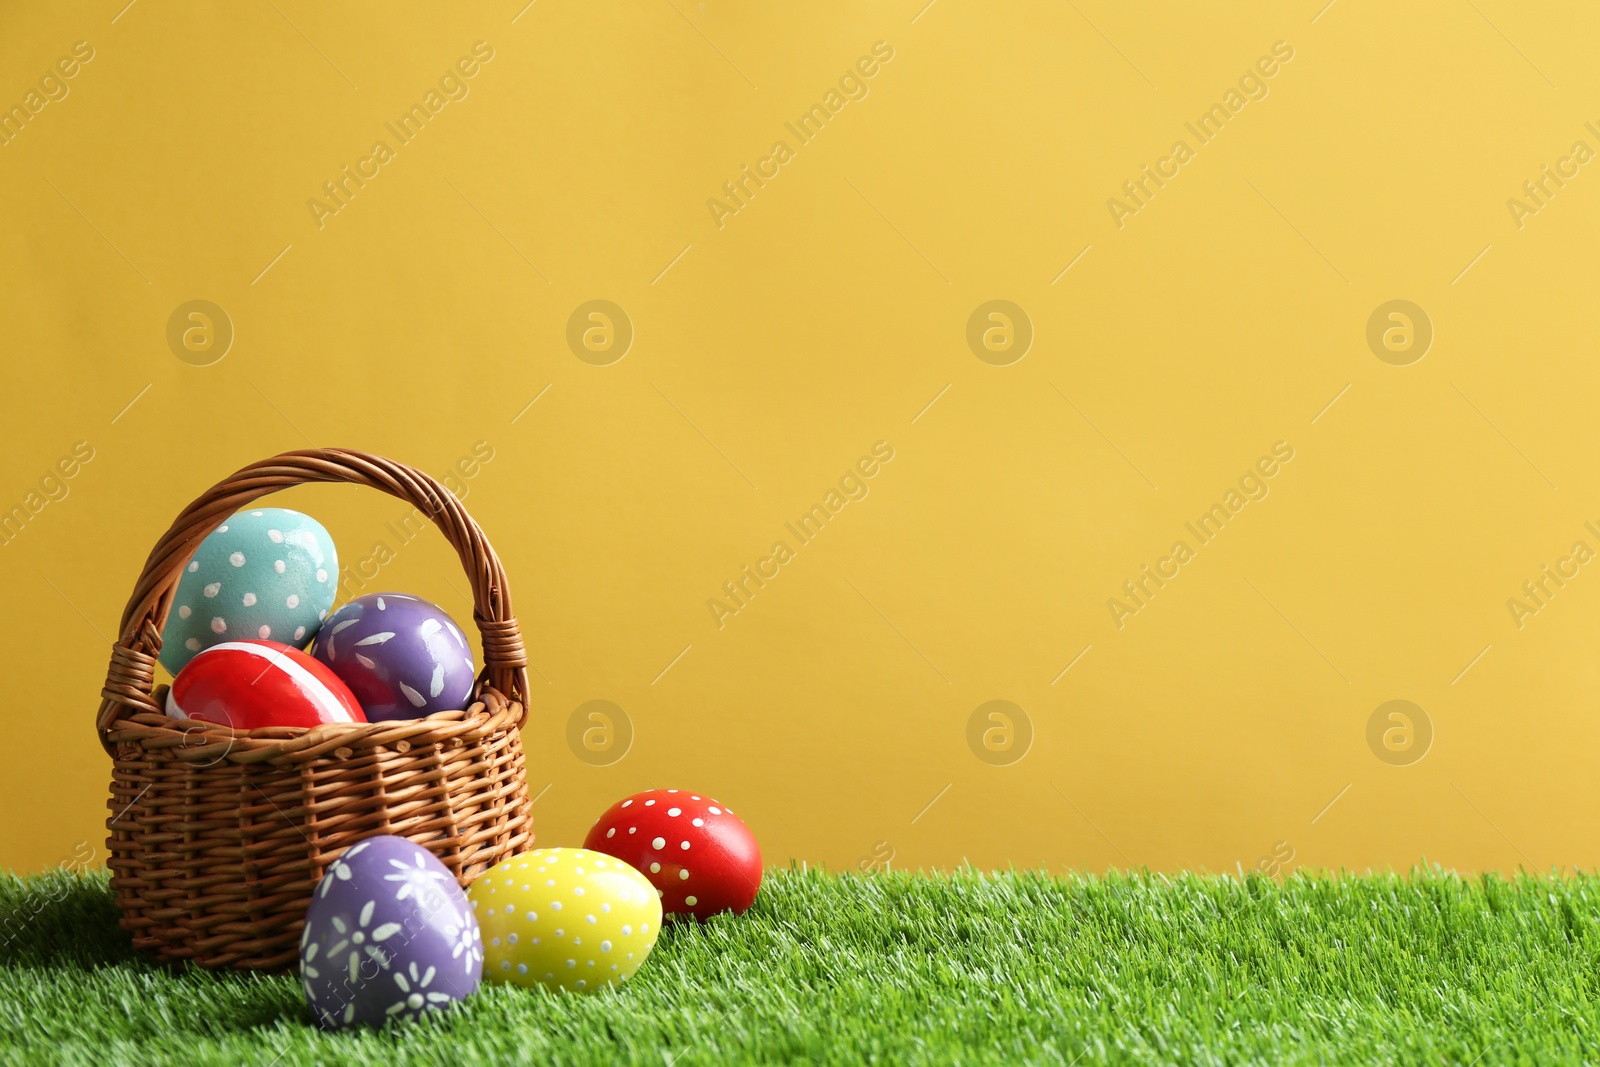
(217,836)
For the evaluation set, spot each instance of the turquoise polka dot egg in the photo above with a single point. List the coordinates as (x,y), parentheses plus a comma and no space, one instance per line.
(266,573)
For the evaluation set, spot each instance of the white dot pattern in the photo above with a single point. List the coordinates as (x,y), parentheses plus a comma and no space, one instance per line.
(529,942)
(266,573)
(666,863)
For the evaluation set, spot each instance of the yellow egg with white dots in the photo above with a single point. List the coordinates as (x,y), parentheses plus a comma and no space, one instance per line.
(565,918)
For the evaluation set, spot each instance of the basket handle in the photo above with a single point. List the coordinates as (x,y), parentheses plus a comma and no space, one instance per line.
(130,680)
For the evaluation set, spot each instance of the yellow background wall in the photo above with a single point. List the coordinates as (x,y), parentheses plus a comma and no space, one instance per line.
(1225,722)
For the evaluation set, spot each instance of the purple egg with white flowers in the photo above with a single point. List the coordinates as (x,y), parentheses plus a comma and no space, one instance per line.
(389,935)
(401,656)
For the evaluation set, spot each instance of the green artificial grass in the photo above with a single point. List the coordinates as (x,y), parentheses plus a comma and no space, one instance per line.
(902,968)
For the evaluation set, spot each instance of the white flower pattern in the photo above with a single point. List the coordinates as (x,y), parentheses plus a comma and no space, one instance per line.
(355,939)
(362,939)
(468,949)
(340,869)
(414,881)
(414,995)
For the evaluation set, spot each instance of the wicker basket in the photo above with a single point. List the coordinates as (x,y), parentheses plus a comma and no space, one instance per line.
(218,836)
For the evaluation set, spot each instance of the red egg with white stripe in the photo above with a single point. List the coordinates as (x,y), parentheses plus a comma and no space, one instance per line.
(252,684)
(699,855)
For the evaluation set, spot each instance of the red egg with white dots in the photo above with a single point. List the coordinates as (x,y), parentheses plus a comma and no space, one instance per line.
(699,855)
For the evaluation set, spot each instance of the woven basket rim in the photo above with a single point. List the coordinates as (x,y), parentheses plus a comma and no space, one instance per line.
(205,744)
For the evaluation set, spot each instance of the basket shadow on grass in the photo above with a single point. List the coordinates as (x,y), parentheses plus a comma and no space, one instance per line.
(61,920)
(64,923)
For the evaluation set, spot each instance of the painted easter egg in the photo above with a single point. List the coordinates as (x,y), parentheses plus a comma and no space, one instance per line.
(402,656)
(266,574)
(565,918)
(693,848)
(389,934)
(251,684)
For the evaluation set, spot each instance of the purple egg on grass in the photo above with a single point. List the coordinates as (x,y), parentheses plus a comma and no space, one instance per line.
(389,935)
(402,657)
